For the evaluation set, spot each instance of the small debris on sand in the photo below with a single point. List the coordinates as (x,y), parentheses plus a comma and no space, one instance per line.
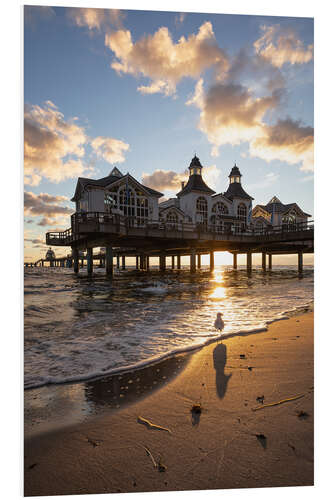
(303,415)
(149,425)
(260,399)
(196,408)
(33,465)
(242,356)
(262,439)
(93,443)
(278,402)
(249,368)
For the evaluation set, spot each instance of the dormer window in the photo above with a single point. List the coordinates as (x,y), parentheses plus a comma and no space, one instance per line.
(234,178)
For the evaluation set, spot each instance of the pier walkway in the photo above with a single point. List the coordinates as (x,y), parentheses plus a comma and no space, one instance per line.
(129,236)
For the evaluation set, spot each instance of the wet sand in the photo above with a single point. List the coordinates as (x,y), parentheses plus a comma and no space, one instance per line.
(227,444)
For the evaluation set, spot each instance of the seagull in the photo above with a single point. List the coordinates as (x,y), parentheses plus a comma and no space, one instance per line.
(219,323)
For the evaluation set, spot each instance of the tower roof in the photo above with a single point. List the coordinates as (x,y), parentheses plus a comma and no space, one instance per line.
(235,190)
(195,162)
(235,171)
(195,181)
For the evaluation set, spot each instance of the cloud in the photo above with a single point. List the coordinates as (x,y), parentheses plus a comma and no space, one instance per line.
(230,113)
(164,62)
(287,141)
(56,149)
(170,181)
(111,150)
(53,147)
(44,204)
(96,19)
(281,46)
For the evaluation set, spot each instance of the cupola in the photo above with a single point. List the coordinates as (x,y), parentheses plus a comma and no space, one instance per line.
(195,166)
(235,175)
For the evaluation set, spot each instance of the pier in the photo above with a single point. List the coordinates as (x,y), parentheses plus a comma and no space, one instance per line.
(132,237)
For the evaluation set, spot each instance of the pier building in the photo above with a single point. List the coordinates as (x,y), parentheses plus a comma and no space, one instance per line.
(275,213)
(124,216)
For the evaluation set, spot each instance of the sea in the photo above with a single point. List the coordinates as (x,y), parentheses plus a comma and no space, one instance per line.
(78,328)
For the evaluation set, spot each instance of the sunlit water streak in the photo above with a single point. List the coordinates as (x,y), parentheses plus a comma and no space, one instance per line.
(77,327)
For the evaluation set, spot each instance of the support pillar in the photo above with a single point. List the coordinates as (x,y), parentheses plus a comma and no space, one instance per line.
(109,261)
(269,261)
(192,260)
(249,261)
(147,262)
(235,261)
(162,261)
(136,262)
(118,261)
(172,262)
(199,260)
(300,262)
(75,254)
(211,260)
(263,261)
(142,261)
(90,261)
(123,262)
(178,261)
(42,263)
(82,262)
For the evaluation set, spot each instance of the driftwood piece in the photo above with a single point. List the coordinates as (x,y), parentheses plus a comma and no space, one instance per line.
(293,398)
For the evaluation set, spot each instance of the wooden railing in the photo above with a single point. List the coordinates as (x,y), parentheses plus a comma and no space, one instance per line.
(80,223)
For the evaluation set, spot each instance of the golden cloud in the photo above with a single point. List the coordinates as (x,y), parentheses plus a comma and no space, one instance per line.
(281,46)
(111,150)
(53,147)
(286,141)
(164,62)
(230,113)
(170,181)
(96,18)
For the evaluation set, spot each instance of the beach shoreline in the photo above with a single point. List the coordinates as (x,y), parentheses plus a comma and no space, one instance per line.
(226,445)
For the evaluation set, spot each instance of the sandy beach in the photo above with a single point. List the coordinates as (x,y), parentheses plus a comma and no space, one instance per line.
(228,443)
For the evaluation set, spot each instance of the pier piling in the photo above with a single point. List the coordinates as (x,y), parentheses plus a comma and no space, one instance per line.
(269,261)
(123,262)
(192,260)
(235,261)
(300,262)
(211,260)
(90,261)
(162,261)
(178,261)
(109,261)
(199,260)
(249,262)
(263,261)
(75,254)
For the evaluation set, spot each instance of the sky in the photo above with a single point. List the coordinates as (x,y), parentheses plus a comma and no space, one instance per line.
(145,90)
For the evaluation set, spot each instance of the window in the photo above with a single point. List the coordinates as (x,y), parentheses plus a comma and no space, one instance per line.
(127,201)
(289,218)
(242,212)
(220,208)
(109,202)
(202,210)
(172,217)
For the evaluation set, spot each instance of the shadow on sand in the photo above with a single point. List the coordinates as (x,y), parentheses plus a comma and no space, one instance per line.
(220,359)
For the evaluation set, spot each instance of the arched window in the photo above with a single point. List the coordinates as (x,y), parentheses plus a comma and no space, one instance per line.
(172,217)
(202,210)
(220,208)
(289,218)
(109,202)
(242,212)
(127,201)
